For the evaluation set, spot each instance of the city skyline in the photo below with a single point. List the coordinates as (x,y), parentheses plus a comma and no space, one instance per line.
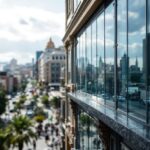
(26,27)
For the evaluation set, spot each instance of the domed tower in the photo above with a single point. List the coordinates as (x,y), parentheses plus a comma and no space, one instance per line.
(50,44)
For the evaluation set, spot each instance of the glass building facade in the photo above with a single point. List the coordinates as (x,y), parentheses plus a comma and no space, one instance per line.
(112,57)
(88,133)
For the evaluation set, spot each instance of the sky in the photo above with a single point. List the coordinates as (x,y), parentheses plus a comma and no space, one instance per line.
(27,25)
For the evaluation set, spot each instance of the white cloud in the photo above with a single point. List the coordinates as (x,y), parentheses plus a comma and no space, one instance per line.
(30,24)
(133,15)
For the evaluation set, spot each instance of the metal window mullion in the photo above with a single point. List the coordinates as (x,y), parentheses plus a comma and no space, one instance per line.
(96,61)
(115,54)
(104,54)
(85,36)
(147,82)
(127,100)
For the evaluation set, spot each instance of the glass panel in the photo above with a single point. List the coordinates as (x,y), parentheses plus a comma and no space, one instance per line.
(100,57)
(89,138)
(77,64)
(136,52)
(89,60)
(84,61)
(81,62)
(69,67)
(148,57)
(122,58)
(93,80)
(109,52)
(75,4)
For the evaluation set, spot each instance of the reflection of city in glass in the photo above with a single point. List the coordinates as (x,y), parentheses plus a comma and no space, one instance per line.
(88,133)
(97,62)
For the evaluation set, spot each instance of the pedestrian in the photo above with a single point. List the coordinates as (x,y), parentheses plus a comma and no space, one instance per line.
(46,128)
(46,138)
(34,144)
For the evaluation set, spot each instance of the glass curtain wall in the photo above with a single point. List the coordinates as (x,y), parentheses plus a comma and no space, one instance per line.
(81,62)
(84,61)
(89,138)
(94,53)
(148,56)
(122,56)
(137,53)
(109,52)
(88,59)
(95,56)
(77,64)
(100,57)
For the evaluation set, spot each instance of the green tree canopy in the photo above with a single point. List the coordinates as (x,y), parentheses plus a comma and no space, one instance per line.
(20,131)
(3,101)
(45,100)
(55,102)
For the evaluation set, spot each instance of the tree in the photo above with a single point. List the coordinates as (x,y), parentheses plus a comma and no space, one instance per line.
(39,118)
(22,99)
(4,142)
(45,100)
(20,103)
(3,101)
(40,111)
(20,131)
(18,106)
(55,102)
(23,85)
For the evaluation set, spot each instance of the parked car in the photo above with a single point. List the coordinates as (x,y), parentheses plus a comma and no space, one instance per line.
(146,101)
(121,98)
(30,113)
(11,110)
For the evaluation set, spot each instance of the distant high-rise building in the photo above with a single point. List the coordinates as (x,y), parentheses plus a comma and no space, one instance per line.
(38,54)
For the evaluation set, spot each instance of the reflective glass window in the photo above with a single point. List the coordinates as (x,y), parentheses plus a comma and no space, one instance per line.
(109,52)
(69,66)
(88,60)
(77,64)
(122,56)
(137,53)
(148,56)
(100,56)
(84,61)
(81,63)
(94,53)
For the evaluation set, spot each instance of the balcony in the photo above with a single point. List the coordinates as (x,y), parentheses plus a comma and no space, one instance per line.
(132,130)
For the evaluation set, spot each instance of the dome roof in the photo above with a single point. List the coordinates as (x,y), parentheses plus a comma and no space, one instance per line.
(50,44)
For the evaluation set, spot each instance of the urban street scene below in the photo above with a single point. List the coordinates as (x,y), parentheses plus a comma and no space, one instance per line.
(75,75)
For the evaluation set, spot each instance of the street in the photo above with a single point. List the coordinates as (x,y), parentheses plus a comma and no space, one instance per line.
(51,135)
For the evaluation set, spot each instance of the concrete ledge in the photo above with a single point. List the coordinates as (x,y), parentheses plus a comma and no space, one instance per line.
(135,134)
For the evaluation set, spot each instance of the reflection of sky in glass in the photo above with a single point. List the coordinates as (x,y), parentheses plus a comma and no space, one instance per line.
(122,29)
(100,37)
(136,30)
(149,17)
(109,35)
(94,43)
(88,44)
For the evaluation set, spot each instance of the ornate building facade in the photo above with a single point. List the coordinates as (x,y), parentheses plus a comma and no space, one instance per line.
(50,63)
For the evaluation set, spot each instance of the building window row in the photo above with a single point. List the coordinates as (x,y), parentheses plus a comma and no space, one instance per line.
(113,52)
(58,57)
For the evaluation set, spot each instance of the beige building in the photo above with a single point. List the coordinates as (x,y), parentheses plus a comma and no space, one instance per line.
(50,63)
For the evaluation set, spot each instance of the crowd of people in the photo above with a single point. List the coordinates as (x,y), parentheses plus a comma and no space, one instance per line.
(52,134)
